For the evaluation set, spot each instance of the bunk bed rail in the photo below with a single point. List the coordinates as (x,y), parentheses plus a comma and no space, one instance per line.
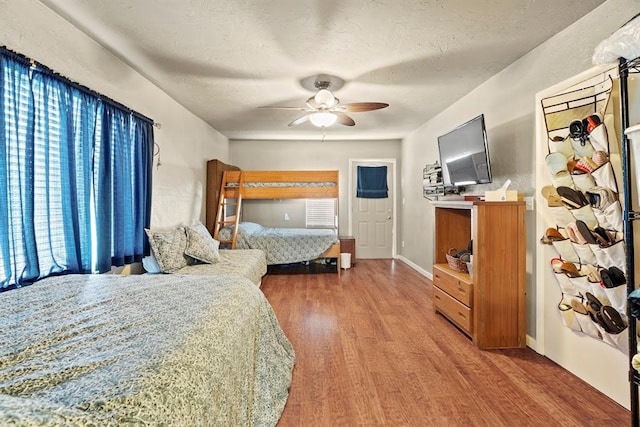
(283,184)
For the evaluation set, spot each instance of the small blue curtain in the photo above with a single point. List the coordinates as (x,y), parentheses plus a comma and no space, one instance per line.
(372,182)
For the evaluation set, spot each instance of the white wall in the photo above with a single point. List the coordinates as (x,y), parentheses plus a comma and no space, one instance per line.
(312,155)
(508,102)
(186,142)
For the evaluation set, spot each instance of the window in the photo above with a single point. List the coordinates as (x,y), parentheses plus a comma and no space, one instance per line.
(321,213)
(75,177)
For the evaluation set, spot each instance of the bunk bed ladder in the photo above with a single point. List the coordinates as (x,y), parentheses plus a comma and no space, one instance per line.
(625,66)
(229,206)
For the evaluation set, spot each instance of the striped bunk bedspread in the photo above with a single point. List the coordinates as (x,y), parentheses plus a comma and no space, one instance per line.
(282,245)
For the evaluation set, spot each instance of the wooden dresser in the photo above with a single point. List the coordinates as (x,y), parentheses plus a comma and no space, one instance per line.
(489,305)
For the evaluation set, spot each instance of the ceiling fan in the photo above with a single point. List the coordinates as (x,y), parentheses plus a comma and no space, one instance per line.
(324,109)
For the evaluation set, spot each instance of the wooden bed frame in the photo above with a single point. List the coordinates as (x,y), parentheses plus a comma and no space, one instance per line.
(234,189)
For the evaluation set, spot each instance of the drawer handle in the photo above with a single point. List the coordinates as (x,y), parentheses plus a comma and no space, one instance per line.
(437,296)
(462,315)
(460,290)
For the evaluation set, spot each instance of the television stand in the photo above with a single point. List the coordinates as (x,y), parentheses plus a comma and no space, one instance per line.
(489,305)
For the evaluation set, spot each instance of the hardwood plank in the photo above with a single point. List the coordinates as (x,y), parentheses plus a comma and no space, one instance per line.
(371,351)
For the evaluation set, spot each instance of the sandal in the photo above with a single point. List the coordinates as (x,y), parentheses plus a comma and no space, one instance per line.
(617,276)
(593,301)
(574,234)
(578,307)
(613,320)
(556,265)
(606,280)
(553,198)
(603,237)
(600,158)
(586,234)
(573,199)
(570,269)
(551,235)
(591,122)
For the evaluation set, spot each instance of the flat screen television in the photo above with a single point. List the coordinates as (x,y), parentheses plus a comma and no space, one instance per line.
(464,154)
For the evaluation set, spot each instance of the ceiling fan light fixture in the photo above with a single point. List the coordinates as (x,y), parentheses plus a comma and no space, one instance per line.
(323,119)
(325,98)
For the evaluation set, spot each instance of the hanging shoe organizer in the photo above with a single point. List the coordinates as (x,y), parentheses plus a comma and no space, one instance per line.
(587,223)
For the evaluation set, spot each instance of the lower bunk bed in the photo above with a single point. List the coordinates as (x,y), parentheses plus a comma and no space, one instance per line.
(143,350)
(286,245)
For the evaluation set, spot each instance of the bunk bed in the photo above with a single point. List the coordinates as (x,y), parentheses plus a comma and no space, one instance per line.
(282,245)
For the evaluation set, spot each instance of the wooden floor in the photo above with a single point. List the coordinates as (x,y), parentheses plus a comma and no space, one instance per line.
(371,351)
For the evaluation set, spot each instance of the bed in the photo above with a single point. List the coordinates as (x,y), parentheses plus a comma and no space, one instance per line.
(248,263)
(282,245)
(143,350)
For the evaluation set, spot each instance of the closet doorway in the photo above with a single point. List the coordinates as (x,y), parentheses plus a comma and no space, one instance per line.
(373,221)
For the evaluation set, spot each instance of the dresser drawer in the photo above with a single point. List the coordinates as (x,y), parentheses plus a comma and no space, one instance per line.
(458,313)
(453,285)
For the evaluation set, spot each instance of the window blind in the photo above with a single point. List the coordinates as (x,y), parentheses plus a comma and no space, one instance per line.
(321,213)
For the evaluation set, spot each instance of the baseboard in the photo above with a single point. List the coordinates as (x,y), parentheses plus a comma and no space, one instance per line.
(416,267)
(533,345)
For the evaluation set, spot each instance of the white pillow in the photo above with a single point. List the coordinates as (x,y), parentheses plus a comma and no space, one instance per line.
(150,264)
(168,248)
(200,245)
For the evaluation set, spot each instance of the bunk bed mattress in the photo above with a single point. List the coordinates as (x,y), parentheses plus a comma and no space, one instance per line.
(143,350)
(282,245)
(248,263)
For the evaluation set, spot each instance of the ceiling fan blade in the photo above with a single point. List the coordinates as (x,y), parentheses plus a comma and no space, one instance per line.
(286,108)
(359,107)
(343,119)
(300,120)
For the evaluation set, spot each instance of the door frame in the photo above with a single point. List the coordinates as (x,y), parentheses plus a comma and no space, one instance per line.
(394,202)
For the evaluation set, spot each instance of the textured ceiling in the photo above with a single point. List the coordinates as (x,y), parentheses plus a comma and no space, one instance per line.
(222,59)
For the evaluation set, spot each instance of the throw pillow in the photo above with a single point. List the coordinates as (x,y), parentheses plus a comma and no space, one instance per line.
(168,248)
(201,246)
(150,264)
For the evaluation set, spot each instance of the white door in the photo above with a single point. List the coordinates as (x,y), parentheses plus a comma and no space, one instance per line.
(373,218)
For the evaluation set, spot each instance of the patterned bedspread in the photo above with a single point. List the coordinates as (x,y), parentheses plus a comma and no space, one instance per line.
(143,350)
(249,263)
(282,245)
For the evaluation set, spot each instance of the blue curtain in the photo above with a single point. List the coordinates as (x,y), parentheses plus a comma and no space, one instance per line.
(75,175)
(19,256)
(123,187)
(64,127)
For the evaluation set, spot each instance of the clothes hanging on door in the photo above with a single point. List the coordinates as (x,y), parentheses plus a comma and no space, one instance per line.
(372,182)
